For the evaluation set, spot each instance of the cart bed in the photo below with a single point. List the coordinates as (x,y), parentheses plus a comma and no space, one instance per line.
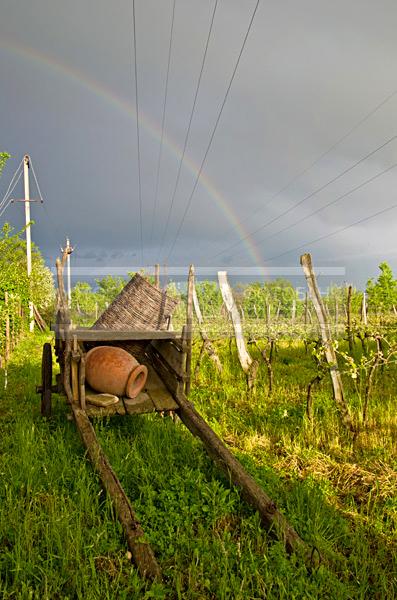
(155,398)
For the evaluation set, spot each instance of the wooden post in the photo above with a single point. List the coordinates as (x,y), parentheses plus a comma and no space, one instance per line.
(75,372)
(207,345)
(189,328)
(364,318)
(82,380)
(157,275)
(306,308)
(336,314)
(8,342)
(26,166)
(349,319)
(248,365)
(293,310)
(330,355)
(268,313)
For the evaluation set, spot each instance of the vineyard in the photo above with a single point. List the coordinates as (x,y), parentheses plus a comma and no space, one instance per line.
(328,462)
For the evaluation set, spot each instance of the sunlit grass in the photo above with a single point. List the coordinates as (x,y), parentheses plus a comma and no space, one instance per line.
(59,537)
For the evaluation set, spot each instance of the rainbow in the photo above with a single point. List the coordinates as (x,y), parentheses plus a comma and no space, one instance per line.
(120,104)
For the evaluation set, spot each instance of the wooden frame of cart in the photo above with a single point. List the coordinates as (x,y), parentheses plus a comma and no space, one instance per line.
(167,355)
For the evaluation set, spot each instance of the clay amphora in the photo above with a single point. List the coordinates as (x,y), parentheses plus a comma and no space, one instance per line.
(112,370)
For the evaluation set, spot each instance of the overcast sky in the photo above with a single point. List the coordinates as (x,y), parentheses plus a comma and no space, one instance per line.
(311,71)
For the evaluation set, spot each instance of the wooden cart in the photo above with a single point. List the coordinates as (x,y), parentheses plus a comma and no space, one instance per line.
(167,355)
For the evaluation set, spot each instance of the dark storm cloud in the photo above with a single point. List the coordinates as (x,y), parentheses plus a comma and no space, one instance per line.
(311,70)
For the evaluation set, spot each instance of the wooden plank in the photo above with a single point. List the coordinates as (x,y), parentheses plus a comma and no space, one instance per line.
(168,378)
(173,355)
(141,551)
(159,394)
(113,335)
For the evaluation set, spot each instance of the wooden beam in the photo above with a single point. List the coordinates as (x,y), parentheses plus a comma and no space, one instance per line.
(174,356)
(113,335)
(157,275)
(141,551)
(272,519)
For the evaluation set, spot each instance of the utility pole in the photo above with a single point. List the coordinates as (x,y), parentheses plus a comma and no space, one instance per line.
(26,166)
(68,249)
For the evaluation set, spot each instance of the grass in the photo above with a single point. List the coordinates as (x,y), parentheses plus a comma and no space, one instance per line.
(59,537)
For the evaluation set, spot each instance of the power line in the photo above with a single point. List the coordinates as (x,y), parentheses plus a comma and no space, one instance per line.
(318,210)
(137,131)
(4,207)
(323,155)
(54,225)
(36,182)
(314,193)
(213,131)
(188,129)
(12,184)
(163,122)
(8,200)
(328,235)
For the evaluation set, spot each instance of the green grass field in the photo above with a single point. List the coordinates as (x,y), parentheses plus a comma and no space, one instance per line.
(59,537)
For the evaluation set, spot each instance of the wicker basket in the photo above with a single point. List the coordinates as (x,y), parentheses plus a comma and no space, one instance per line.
(140,306)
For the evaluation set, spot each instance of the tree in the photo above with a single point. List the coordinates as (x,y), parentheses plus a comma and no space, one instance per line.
(382,294)
(209,297)
(280,294)
(4,156)
(84,299)
(13,272)
(108,288)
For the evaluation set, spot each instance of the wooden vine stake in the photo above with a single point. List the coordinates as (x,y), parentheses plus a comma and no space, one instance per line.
(248,365)
(157,275)
(207,345)
(349,319)
(330,355)
(8,341)
(364,318)
(188,337)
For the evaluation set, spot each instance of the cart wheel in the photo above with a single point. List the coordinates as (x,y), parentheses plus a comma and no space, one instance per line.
(46,380)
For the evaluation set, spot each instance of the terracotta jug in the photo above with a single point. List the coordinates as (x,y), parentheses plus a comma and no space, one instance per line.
(112,370)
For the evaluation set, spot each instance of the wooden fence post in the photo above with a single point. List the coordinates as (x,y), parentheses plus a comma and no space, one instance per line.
(364,318)
(207,344)
(189,328)
(157,275)
(248,365)
(7,346)
(330,355)
(349,319)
